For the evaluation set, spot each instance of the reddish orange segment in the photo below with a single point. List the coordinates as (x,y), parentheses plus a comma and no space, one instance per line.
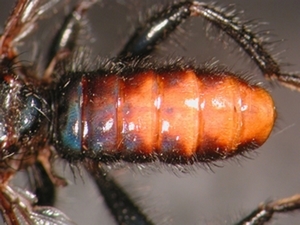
(220,114)
(139,114)
(178,120)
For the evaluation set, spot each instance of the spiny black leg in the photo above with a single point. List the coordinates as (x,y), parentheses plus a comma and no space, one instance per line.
(44,180)
(123,209)
(265,212)
(44,188)
(158,28)
(248,41)
(65,41)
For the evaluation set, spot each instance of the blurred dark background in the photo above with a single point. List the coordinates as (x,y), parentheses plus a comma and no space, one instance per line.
(228,192)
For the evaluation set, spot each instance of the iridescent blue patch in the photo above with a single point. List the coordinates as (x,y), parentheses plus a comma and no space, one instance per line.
(72,131)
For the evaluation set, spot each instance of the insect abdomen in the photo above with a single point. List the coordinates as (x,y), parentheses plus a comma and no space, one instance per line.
(179,116)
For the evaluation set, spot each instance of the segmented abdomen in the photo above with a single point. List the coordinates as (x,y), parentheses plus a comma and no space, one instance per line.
(179,116)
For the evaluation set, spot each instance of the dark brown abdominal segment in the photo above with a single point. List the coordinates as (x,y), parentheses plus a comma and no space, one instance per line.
(177,117)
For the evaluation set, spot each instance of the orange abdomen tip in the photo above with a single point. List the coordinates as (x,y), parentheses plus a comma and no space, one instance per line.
(236,117)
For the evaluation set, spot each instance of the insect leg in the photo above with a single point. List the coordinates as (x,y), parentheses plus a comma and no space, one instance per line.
(65,41)
(121,206)
(265,211)
(159,26)
(43,186)
(248,41)
(43,178)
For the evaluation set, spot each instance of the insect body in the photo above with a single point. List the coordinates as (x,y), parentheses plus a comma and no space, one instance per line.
(131,108)
(138,116)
